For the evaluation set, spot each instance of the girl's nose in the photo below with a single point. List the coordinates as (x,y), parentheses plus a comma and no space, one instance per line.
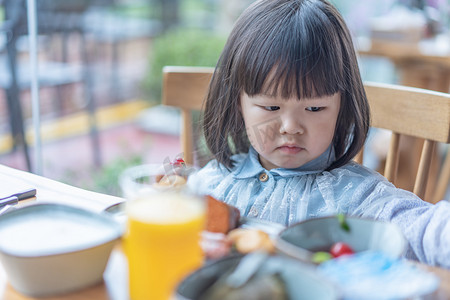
(291,125)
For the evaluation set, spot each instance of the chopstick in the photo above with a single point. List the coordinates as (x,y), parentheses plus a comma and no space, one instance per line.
(25,194)
(15,198)
(9,201)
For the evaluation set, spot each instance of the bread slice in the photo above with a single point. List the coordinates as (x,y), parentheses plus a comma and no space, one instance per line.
(221,217)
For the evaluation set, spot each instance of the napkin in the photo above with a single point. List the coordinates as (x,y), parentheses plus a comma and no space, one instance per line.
(374,275)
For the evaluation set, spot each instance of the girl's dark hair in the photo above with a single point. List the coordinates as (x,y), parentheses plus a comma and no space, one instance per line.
(289,48)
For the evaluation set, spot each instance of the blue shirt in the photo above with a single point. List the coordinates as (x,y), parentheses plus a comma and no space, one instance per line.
(288,196)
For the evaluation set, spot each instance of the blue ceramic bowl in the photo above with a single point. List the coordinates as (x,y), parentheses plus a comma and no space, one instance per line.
(303,239)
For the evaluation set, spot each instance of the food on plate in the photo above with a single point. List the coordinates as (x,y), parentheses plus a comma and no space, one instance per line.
(221,217)
(343,222)
(178,162)
(263,286)
(336,250)
(222,233)
(242,240)
(215,245)
(250,279)
(340,249)
(321,256)
(177,177)
(171,180)
(247,240)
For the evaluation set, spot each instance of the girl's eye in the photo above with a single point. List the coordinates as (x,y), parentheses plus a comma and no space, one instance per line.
(314,108)
(271,108)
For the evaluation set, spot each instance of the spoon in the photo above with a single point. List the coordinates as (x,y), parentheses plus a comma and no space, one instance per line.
(247,267)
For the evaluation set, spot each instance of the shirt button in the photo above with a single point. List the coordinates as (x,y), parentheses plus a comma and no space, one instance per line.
(253,212)
(263,177)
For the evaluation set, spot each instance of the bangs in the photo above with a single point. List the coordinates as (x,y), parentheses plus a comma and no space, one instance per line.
(293,56)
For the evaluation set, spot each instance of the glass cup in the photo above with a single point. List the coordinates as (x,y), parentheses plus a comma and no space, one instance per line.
(164,225)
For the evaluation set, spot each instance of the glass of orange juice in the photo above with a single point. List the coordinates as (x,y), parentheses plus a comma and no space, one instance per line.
(164,225)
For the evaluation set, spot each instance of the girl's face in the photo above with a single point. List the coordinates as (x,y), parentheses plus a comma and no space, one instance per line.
(289,133)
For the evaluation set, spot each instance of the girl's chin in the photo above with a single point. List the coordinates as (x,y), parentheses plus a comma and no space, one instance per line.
(280,162)
(283,165)
(290,166)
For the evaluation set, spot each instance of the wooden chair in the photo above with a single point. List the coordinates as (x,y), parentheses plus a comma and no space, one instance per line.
(403,110)
(185,88)
(412,112)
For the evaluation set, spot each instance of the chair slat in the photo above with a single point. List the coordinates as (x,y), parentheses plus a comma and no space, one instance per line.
(187,136)
(359,158)
(444,179)
(424,168)
(390,171)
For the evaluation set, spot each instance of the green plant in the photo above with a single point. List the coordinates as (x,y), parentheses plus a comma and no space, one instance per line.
(134,10)
(106,180)
(181,47)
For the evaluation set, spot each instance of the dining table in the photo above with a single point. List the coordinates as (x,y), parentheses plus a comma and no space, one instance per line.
(423,64)
(114,285)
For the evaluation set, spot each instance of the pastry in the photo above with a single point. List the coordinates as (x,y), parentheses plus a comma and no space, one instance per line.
(249,240)
(221,217)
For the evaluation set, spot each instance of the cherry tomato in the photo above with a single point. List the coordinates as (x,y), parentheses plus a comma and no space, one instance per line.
(340,248)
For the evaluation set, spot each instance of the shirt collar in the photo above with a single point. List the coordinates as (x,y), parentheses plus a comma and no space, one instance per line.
(251,166)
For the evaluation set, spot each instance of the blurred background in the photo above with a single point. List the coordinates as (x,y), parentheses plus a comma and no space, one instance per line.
(99,72)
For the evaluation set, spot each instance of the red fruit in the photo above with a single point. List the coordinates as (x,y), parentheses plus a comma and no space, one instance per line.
(179,162)
(340,248)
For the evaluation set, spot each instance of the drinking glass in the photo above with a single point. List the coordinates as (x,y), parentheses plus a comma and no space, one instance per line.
(164,225)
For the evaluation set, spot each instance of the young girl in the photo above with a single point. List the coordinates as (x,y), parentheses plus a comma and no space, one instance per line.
(286,113)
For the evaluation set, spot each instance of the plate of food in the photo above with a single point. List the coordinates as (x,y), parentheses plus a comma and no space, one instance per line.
(362,256)
(256,275)
(228,232)
(225,230)
(339,235)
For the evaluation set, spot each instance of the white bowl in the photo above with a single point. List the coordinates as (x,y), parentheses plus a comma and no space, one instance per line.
(303,239)
(50,249)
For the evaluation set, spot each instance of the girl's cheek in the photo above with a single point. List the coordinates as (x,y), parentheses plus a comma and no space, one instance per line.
(252,137)
(262,134)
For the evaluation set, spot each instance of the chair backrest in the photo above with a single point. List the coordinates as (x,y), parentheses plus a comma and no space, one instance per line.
(417,113)
(186,88)
(403,110)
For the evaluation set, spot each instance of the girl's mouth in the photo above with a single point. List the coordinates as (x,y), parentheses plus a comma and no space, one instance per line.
(290,149)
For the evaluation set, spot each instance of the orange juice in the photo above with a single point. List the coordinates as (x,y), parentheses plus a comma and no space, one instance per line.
(162,243)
